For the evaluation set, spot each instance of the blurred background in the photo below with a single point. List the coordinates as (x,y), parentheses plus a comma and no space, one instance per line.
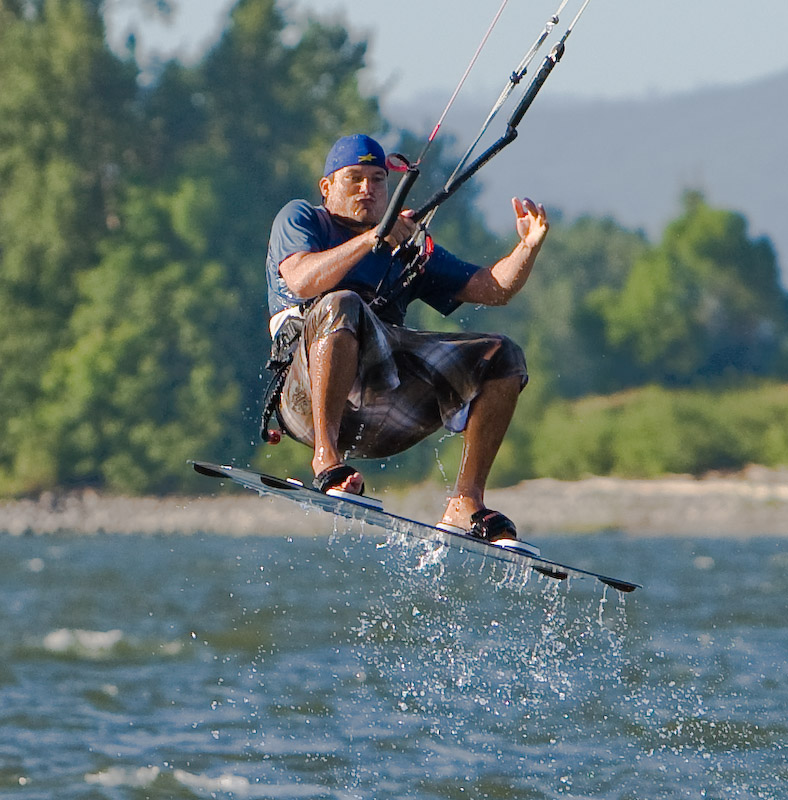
(146,146)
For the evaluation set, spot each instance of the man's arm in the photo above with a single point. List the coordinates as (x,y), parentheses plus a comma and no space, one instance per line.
(498,284)
(310,274)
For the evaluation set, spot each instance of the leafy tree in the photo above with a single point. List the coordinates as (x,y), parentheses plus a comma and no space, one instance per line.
(65,121)
(144,385)
(564,344)
(255,121)
(706,302)
(652,430)
(231,140)
(133,230)
(569,342)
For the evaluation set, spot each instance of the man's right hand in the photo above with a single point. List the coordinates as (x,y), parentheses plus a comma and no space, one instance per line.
(404,227)
(310,274)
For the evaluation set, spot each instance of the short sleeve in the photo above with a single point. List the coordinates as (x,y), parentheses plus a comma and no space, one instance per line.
(444,278)
(297,228)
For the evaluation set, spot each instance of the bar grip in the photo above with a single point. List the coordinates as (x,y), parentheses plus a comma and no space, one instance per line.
(395,206)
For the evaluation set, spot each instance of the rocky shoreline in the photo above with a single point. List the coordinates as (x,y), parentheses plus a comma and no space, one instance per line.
(751,503)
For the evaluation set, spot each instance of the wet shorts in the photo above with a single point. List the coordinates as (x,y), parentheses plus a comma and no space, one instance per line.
(409,383)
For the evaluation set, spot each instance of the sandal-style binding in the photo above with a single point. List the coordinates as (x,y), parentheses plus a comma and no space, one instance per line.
(492,526)
(495,528)
(327,481)
(333,476)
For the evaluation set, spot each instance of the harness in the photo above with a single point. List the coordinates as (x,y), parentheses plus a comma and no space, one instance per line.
(283,349)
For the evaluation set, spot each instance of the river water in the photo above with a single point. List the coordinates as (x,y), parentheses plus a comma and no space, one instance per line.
(346,666)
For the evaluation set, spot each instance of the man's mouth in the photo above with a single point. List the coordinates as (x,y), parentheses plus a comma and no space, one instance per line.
(364,205)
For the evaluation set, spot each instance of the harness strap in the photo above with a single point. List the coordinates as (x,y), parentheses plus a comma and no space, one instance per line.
(283,346)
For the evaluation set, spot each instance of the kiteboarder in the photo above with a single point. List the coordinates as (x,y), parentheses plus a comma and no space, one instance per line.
(362,385)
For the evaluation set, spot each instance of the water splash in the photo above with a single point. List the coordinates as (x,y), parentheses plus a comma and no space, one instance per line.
(451,631)
(447,482)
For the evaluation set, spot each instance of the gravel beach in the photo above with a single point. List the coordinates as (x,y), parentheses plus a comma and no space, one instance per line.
(751,503)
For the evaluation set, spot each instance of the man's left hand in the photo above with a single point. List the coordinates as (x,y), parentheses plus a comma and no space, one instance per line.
(532,225)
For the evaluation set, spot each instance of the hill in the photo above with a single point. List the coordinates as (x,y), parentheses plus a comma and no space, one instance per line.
(633,159)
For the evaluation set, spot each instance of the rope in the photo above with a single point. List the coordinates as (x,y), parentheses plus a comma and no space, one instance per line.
(465,171)
(515,78)
(464,77)
(574,21)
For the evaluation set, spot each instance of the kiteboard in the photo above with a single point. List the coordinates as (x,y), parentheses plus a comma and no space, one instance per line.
(371,511)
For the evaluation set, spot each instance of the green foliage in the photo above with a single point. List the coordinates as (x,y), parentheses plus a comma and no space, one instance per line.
(144,384)
(133,232)
(706,301)
(652,431)
(545,319)
(564,336)
(561,319)
(261,110)
(65,121)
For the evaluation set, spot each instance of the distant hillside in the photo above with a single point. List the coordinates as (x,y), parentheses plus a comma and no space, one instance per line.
(633,159)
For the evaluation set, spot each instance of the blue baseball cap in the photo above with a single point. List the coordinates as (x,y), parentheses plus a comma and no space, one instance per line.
(352,150)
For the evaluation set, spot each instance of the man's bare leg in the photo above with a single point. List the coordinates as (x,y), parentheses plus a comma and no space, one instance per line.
(333,363)
(488,420)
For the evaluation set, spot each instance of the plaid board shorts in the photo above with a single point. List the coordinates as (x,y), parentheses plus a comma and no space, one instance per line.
(409,383)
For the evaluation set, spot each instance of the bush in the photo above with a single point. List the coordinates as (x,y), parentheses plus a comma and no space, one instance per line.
(654,431)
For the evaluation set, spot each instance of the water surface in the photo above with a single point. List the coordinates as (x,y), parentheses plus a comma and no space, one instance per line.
(347,667)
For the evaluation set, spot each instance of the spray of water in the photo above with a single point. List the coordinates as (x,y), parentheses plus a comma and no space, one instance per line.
(451,631)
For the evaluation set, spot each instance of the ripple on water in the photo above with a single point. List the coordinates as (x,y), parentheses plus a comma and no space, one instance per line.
(345,669)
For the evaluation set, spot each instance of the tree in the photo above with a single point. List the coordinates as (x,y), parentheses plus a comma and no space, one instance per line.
(564,343)
(563,337)
(65,120)
(133,229)
(262,110)
(144,385)
(706,302)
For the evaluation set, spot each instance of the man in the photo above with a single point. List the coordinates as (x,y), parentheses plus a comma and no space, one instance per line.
(361,384)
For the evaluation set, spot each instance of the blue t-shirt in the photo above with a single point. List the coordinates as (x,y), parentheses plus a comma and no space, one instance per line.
(301,227)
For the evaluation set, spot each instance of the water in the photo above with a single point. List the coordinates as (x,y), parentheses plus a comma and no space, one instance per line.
(333,667)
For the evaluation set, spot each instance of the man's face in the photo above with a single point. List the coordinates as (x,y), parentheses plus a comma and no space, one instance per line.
(357,194)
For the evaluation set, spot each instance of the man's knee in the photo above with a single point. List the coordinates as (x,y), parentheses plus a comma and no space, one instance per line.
(510,349)
(510,361)
(336,311)
(343,303)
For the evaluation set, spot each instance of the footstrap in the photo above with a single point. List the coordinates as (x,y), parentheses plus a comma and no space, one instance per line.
(331,478)
(492,526)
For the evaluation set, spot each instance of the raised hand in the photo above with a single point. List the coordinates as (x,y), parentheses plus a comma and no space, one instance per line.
(532,225)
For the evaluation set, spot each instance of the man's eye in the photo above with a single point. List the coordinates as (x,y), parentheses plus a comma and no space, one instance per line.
(356,180)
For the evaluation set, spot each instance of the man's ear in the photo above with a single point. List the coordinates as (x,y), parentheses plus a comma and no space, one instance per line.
(324,184)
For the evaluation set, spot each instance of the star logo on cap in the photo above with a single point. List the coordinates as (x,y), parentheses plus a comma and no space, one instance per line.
(367,157)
